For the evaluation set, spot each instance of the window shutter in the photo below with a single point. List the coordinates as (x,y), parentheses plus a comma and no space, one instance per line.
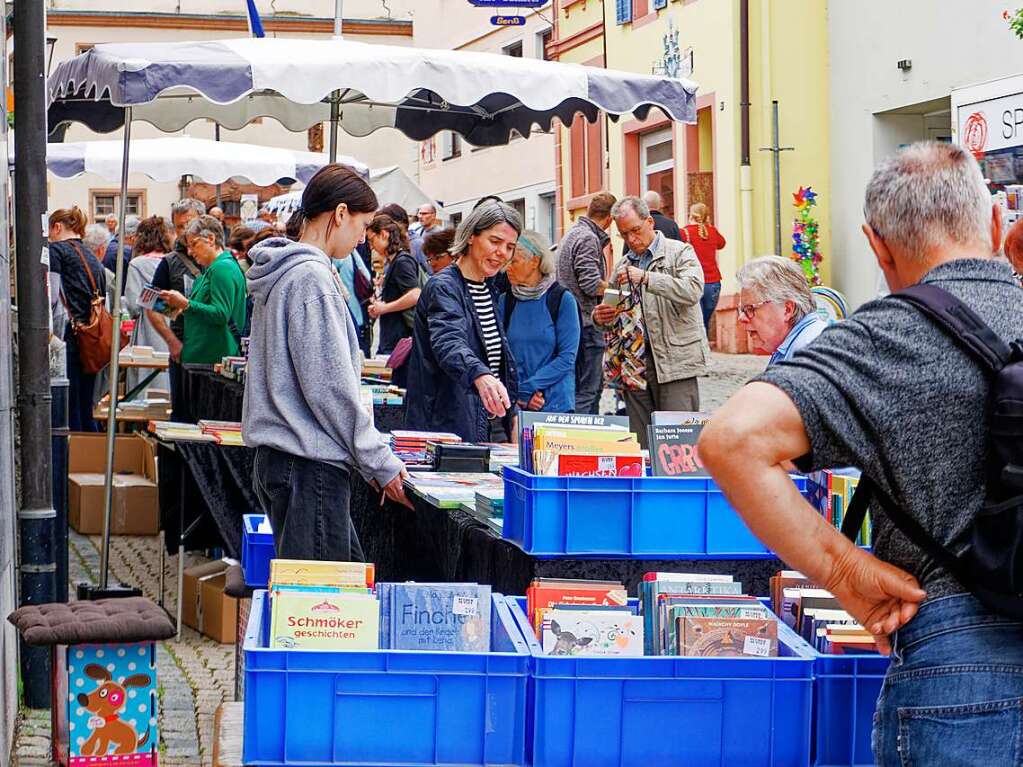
(658,4)
(623,11)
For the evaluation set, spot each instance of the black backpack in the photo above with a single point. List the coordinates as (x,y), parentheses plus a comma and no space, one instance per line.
(553,304)
(991,564)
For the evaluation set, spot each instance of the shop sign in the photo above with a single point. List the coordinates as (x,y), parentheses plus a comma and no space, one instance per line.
(986,126)
(508,3)
(508,21)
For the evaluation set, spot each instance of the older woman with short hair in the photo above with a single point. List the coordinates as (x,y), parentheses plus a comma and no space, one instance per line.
(541,319)
(777,307)
(462,375)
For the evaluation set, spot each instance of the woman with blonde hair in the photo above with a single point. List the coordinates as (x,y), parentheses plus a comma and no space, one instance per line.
(706,241)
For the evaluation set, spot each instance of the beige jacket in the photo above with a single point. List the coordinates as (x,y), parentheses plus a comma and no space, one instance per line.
(671,311)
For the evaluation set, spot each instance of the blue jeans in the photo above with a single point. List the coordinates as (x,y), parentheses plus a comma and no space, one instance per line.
(81,388)
(307,503)
(709,301)
(589,370)
(954,691)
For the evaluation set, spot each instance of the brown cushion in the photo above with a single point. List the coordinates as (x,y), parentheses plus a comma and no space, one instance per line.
(234,583)
(106,621)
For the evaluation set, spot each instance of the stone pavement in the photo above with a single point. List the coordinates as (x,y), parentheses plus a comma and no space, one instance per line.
(196,673)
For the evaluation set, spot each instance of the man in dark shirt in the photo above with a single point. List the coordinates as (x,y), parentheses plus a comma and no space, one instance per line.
(889,392)
(131,226)
(662,223)
(177,271)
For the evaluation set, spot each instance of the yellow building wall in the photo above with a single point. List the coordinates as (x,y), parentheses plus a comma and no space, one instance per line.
(788,61)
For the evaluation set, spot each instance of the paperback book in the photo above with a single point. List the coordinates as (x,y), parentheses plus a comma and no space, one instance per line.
(592,633)
(436,616)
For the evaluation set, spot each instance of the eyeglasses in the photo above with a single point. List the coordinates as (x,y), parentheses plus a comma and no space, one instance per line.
(749,311)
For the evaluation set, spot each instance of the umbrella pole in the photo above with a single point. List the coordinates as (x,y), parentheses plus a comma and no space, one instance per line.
(335,118)
(115,350)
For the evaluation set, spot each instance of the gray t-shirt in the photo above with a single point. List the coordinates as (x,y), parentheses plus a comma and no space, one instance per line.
(889,392)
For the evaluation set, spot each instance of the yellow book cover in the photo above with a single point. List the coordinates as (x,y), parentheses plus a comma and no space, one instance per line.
(542,433)
(301,572)
(545,457)
(316,621)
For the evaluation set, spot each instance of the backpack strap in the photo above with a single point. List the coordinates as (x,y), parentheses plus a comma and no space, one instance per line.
(961,323)
(554,296)
(509,307)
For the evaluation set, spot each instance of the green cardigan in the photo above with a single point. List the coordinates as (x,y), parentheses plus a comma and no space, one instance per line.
(218,296)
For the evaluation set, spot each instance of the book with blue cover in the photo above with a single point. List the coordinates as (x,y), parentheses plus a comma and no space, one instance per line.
(445,617)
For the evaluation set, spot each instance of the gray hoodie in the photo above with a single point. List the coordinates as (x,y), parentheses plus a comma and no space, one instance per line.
(302,378)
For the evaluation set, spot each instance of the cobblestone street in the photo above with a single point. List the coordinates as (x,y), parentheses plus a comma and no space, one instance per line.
(196,673)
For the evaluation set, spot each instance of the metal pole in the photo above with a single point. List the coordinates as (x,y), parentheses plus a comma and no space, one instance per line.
(36,517)
(115,350)
(216,136)
(338,10)
(777,178)
(335,118)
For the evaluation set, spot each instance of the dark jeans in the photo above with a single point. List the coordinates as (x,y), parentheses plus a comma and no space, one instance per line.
(81,388)
(589,370)
(709,301)
(307,503)
(179,412)
(954,689)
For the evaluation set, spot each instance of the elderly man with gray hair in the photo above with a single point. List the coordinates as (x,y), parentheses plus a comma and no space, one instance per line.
(131,227)
(891,392)
(661,342)
(777,307)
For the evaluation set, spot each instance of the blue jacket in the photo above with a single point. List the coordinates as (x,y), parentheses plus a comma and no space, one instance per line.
(447,356)
(545,352)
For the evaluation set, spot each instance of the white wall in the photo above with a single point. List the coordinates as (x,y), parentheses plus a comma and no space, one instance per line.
(353,9)
(523,169)
(951,44)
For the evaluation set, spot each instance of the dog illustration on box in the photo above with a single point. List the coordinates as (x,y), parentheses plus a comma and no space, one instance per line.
(106,704)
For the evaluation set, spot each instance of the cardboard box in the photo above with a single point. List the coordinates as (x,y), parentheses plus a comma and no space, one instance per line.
(105,699)
(135,509)
(204,606)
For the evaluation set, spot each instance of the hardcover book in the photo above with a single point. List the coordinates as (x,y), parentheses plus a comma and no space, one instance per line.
(593,632)
(446,617)
(301,572)
(600,465)
(728,637)
(673,451)
(316,621)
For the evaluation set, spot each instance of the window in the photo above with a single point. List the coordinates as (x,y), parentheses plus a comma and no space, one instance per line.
(514,50)
(542,41)
(657,167)
(81,48)
(586,150)
(520,207)
(451,146)
(547,222)
(455,219)
(659,4)
(623,11)
(640,8)
(231,208)
(104,203)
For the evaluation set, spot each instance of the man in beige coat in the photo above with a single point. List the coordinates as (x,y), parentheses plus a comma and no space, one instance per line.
(670,279)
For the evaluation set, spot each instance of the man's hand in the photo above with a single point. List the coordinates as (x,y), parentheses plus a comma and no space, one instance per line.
(604,314)
(536,402)
(173,299)
(375,309)
(632,275)
(880,596)
(395,489)
(494,395)
(174,346)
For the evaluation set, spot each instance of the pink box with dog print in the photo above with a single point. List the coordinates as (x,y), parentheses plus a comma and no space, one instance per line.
(105,712)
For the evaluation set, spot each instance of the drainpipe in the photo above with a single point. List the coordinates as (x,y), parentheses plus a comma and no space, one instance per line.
(745,170)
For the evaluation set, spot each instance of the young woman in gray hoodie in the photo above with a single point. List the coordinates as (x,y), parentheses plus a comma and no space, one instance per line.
(302,410)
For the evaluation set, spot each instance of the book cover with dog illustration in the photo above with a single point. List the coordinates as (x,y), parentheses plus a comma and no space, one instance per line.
(110,718)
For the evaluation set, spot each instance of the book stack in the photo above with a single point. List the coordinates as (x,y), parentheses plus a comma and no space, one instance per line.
(323,605)
(502,454)
(700,615)
(831,491)
(172,431)
(224,432)
(143,354)
(580,446)
(815,615)
(580,617)
(450,489)
(411,446)
(233,368)
(490,502)
(447,617)
(151,407)
(375,369)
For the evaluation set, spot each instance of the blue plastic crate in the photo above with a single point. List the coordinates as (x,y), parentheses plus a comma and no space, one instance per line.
(845,695)
(257,551)
(642,517)
(659,711)
(385,707)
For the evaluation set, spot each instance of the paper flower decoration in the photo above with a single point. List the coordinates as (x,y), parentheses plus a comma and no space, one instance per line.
(805,235)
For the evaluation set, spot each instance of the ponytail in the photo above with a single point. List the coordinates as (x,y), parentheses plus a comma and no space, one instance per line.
(699,211)
(332,185)
(72,218)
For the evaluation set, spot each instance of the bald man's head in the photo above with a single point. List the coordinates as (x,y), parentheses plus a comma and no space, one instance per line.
(652,200)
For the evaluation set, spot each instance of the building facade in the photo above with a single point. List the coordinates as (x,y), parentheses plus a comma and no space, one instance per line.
(521,173)
(787,50)
(79,24)
(900,88)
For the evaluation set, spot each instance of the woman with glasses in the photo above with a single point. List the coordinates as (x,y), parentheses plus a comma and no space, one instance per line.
(462,375)
(542,321)
(437,249)
(777,307)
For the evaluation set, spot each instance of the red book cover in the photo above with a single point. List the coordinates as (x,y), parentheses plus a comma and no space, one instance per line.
(600,465)
(540,598)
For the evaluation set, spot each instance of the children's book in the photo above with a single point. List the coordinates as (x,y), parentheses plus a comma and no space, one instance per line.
(317,621)
(592,632)
(447,617)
